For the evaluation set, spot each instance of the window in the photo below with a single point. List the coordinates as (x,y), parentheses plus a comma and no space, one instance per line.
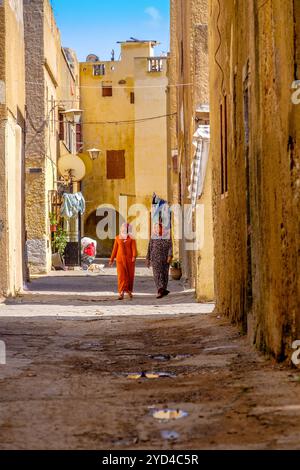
(68,136)
(61,126)
(132,98)
(155,65)
(79,142)
(115,164)
(224,146)
(107,91)
(67,133)
(99,70)
(52,115)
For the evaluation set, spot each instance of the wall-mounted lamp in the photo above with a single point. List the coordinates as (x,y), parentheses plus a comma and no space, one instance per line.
(94,153)
(73,115)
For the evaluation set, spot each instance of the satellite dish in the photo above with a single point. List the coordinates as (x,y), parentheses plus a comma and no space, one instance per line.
(71,166)
(92,58)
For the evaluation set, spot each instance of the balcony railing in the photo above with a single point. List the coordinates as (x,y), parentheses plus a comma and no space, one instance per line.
(155,65)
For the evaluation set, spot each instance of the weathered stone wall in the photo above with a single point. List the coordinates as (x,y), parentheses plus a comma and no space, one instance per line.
(172,142)
(254,58)
(50,85)
(3,194)
(12,103)
(189,59)
(36,136)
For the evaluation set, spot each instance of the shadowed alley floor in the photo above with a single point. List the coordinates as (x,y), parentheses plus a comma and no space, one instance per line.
(70,346)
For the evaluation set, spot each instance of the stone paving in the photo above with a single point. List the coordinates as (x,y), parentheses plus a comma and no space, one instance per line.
(81,372)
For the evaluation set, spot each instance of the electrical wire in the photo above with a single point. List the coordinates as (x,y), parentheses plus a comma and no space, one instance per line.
(133,121)
(99,87)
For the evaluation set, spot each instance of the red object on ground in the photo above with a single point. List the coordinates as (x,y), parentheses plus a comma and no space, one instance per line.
(90,250)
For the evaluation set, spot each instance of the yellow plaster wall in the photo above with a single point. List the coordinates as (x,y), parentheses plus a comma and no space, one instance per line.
(11,154)
(145,144)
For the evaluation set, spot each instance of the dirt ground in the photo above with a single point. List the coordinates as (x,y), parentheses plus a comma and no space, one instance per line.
(70,347)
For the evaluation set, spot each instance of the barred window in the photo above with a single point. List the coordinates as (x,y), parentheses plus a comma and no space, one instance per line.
(99,70)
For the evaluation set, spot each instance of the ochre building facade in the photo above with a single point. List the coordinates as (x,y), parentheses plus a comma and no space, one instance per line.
(124,107)
(188,97)
(254,65)
(12,138)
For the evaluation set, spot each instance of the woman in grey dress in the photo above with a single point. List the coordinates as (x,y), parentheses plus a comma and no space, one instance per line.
(160,255)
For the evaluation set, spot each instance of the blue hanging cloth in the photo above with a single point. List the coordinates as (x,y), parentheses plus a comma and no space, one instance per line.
(161,213)
(72,205)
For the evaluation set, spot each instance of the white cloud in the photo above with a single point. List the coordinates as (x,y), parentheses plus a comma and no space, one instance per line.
(155,16)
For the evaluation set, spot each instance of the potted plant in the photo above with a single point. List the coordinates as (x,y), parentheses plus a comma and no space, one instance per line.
(53,222)
(60,241)
(176,271)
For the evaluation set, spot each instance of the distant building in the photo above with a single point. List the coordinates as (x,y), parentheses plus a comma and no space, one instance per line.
(117,99)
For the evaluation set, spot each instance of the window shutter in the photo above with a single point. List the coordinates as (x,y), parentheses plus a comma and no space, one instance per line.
(78,137)
(107,91)
(61,127)
(115,164)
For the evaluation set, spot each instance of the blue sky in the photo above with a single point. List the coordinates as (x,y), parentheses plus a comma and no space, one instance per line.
(94,26)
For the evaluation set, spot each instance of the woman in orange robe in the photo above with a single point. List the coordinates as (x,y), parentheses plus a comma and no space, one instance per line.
(125,252)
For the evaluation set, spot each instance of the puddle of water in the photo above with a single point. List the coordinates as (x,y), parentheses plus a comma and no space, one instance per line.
(161,357)
(169,415)
(149,375)
(180,357)
(168,357)
(170,435)
(126,442)
(221,347)
(259,410)
(93,346)
(31,374)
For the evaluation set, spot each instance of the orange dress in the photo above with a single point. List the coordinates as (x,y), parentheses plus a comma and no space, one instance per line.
(124,251)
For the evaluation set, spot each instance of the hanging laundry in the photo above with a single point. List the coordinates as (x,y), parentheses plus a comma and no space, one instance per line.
(72,204)
(161,212)
(201,142)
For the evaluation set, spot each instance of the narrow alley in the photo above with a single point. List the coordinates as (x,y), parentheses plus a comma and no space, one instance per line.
(149,228)
(81,370)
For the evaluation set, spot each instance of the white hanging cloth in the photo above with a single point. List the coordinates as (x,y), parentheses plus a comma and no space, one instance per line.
(201,142)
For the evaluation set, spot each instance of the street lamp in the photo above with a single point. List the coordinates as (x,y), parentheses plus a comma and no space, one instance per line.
(73,115)
(94,153)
